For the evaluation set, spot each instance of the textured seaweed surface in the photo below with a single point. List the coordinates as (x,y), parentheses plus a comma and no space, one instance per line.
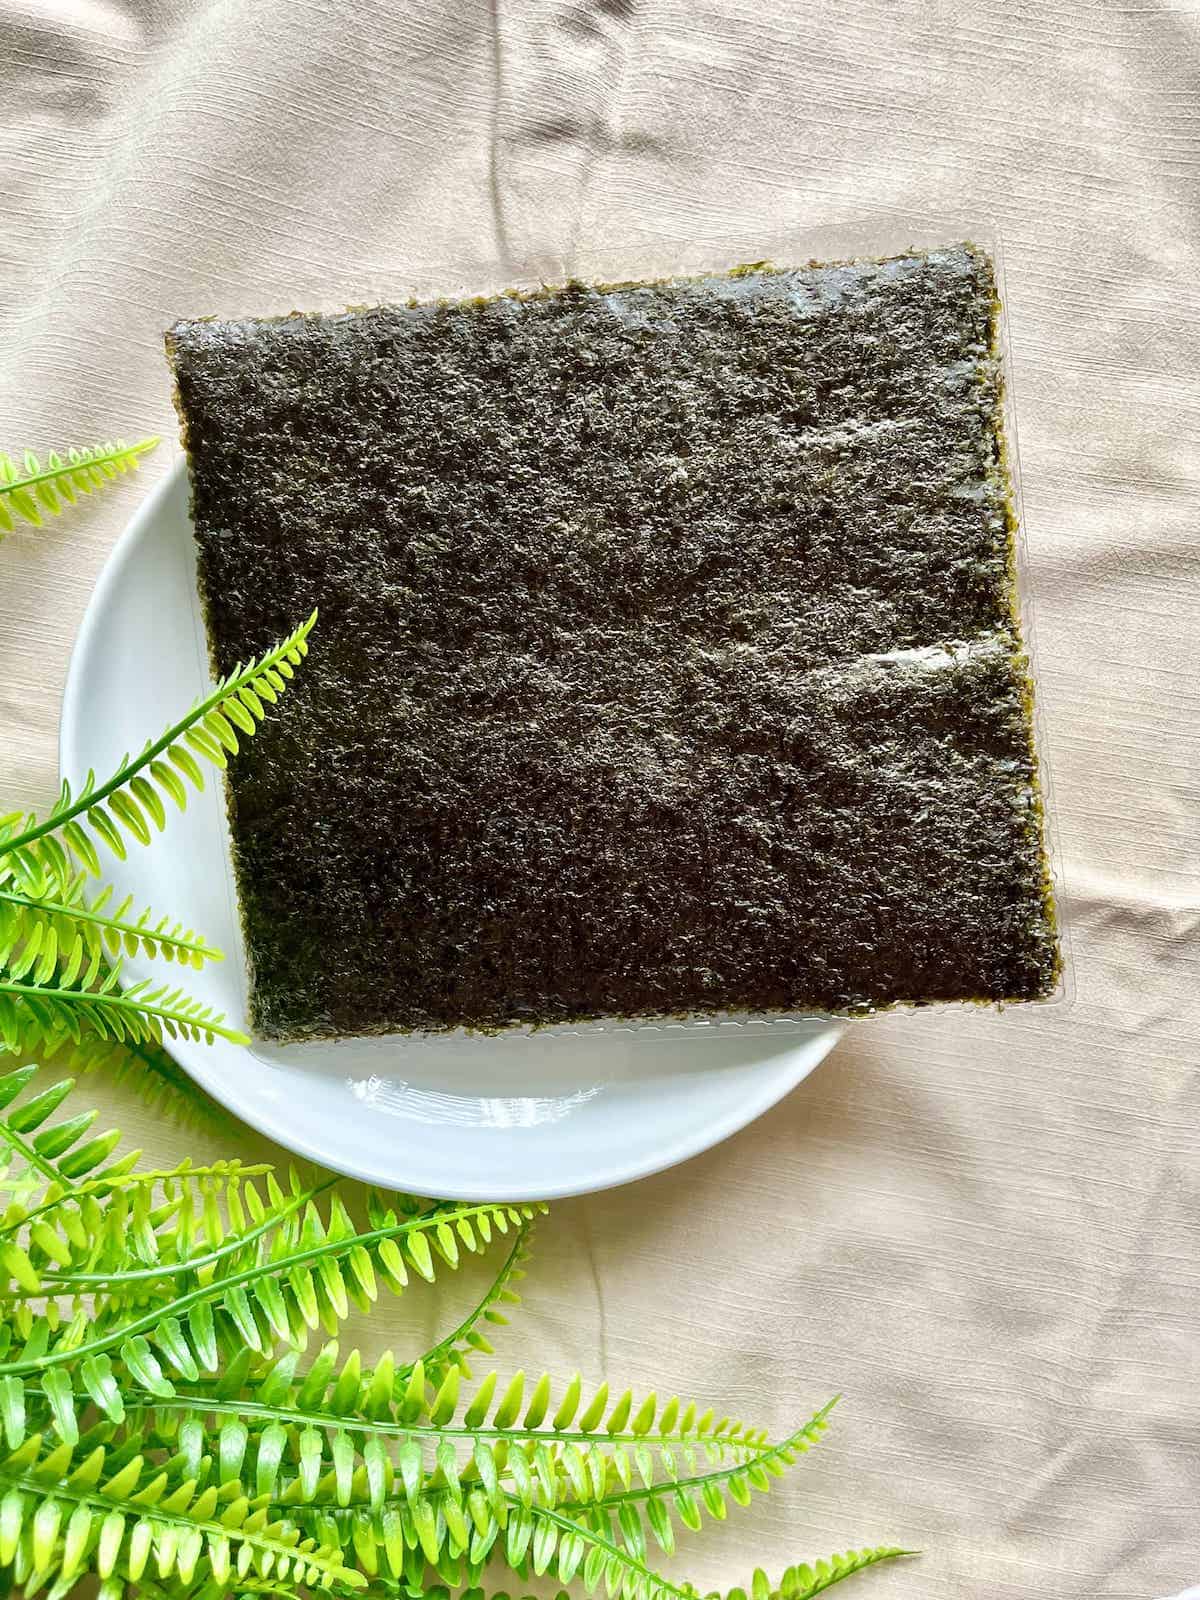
(667,660)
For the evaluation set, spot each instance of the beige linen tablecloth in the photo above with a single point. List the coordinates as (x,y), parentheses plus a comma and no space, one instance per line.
(982,1228)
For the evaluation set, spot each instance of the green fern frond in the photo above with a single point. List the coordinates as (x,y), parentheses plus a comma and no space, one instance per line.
(140,1014)
(553,1544)
(112,929)
(805,1581)
(280,1270)
(247,1313)
(568,1550)
(363,1439)
(177,1249)
(72,1177)
(72,1210)
(33,490)
(641,1510)
(54,983)
(153,1075)
(247,1498)
(439,1591)
(55,944)
(523,1415)
(801,1582)
(63,1512)
(129,804)
(469,1336)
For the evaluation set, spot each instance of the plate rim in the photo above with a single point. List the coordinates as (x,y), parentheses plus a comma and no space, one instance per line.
(790,1071)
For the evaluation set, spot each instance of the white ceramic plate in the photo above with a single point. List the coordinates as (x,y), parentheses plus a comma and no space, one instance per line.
(512,1118)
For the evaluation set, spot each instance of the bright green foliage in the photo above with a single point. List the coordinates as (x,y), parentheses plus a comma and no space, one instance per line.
(802,1582)
(61,949)
(142,1012)
(178,1417)
(113,929)
(490,1311)
(130,804)
(33,490)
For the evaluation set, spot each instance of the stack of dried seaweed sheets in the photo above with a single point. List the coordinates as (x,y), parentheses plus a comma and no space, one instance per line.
(668,658)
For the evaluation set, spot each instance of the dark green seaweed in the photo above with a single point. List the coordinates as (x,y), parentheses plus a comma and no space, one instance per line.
(668,660)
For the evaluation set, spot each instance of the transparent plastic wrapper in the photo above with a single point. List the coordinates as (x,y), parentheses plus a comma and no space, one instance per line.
(206,359)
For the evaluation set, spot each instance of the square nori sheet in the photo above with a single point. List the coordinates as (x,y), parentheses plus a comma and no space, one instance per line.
(667,659)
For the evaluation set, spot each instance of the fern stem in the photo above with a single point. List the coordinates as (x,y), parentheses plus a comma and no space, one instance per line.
(204,1404)
(868,1558)
(103,457)
(494,1290)
(809,1433)
(123,1180)
(616,1552)
(113,1000)
(37,1488)
(213,1291)
(82,913)
(129,769)
(12,1137)
(64,1281)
